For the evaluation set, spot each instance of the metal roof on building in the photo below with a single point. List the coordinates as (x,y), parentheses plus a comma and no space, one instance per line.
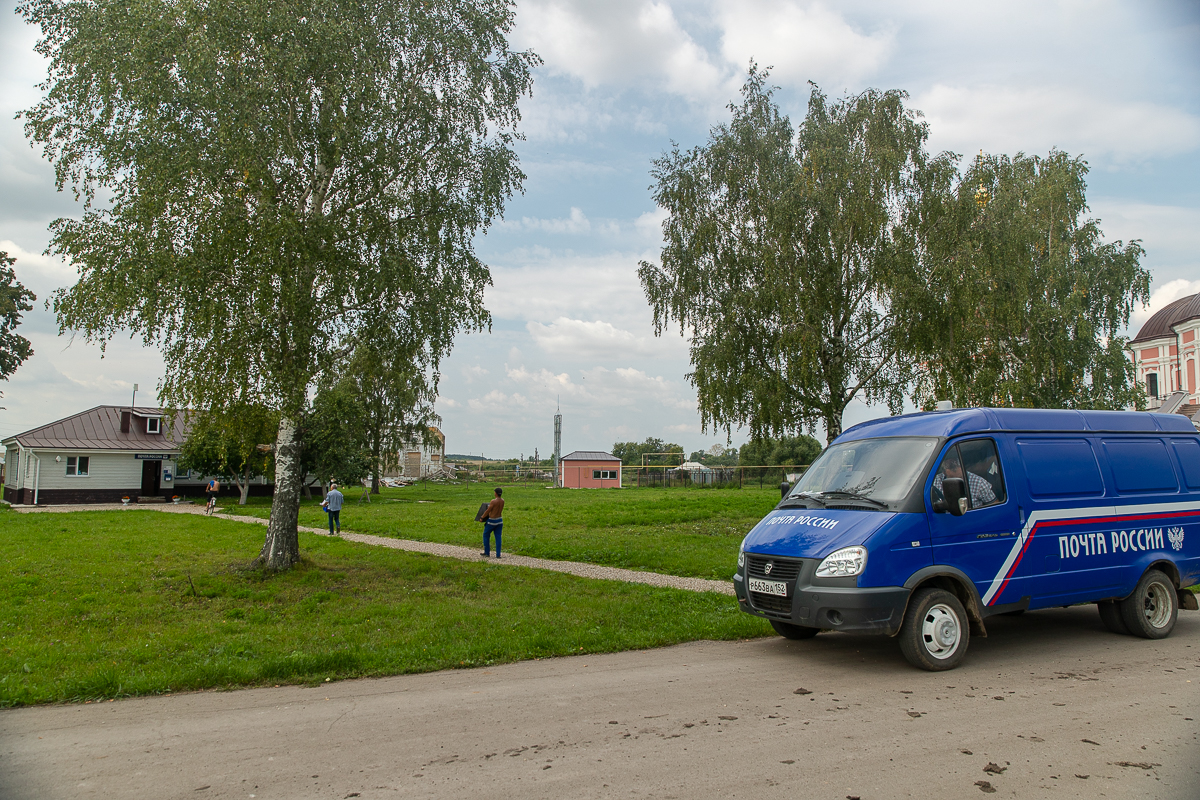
(589,455)
(1163,322)
(99,428)
(1034,420)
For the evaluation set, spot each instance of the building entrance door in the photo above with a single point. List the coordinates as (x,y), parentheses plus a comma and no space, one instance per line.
(151,475)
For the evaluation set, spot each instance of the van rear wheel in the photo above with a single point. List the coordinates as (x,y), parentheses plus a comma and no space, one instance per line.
(1151,610)
(789,631)
(935,633)
(1110,615)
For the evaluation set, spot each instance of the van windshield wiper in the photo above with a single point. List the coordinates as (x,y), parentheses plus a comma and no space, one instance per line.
(787,503)
(853,496)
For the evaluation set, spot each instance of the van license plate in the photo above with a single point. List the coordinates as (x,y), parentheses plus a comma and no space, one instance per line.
(777,588)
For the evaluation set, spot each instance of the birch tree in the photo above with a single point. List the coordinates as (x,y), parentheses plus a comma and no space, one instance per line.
(784,253)
(1025,301)
(14,298)
(262,176)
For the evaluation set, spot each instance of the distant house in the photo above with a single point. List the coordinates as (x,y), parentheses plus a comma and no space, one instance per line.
(1165,352)
(101,455)
(421,459)
(696,472)
(589,469)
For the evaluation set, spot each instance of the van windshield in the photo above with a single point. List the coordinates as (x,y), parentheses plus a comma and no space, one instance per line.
(873,472)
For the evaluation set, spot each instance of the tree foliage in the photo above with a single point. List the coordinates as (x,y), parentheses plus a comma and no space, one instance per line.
(786,450)
(632,452)
(784,253)
(336,444)
(230,444)
(1025,300)
(392,384)
(716,456)
(276,175)
(14,298)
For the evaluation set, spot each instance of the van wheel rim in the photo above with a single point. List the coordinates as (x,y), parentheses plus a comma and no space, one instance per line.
(940,631)
(1157,607)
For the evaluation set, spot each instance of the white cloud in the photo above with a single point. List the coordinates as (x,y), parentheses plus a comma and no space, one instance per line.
(39,272)
(473,373)
(649,225)
(597,391)
(551,285)
(586,340)
(564,119)
(64,378)
(575,223)
(1170,234)
(621,43)
(1162,296)
(802,41)
(1003,119)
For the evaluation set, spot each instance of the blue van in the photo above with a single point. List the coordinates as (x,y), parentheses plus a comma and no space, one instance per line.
(923,526)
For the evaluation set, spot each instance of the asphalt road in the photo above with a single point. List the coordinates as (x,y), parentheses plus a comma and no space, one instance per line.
(1057,706)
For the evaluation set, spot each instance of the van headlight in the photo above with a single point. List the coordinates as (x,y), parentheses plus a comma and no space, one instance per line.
(844,563)
(741,557)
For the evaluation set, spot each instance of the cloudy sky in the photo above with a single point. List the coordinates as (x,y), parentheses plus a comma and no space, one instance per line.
(1116,82)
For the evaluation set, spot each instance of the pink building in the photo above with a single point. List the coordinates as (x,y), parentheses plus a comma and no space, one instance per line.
(589,469)
(1166,349)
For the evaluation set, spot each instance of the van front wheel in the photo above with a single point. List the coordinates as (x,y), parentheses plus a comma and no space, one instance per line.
(790,631)
(1151,610)
(935,632)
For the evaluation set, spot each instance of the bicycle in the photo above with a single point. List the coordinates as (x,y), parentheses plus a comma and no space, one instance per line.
(211,505)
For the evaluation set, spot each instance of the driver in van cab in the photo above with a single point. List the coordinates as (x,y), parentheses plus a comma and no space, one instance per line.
(982,493)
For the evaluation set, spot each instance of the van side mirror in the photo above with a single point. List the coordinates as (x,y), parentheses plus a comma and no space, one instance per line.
(955,492)
(784,488)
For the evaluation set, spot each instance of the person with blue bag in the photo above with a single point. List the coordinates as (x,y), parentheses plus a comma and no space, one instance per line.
(333,506)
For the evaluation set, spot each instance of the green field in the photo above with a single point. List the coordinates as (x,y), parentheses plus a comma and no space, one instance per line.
(108,604)
(691,532)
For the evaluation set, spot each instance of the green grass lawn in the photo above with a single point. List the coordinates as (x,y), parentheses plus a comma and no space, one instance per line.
(106,604)
(692,532)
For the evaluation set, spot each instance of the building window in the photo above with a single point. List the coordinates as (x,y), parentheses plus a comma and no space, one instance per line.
(1152,384)
(604,474)
(78,466)
(153,425)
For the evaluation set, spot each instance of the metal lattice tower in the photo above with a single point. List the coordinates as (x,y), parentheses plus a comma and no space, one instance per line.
(557,437)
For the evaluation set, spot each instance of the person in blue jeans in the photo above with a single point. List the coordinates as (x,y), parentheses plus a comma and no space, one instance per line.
(333,506)
(493,522)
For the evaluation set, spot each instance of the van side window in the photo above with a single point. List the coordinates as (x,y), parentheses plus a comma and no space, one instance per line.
(1188,451)
(1140,465)
(985,481)
(1060,468)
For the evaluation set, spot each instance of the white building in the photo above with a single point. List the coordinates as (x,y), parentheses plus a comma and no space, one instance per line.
(420,459)
(1165,352)
(101,455)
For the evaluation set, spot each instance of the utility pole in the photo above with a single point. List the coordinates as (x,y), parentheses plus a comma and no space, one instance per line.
(557,438)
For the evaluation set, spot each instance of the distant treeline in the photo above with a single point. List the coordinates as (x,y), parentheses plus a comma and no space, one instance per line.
(800,449)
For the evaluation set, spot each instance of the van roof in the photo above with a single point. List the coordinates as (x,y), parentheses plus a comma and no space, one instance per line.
(1040,420)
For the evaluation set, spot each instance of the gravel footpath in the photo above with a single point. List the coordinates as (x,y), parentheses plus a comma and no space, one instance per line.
(445,550)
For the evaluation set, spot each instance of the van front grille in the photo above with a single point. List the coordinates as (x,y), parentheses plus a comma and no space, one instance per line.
(771,604)
(782,569)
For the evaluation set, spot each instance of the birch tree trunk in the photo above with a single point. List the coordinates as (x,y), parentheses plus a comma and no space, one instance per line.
(244,485)
(282,547)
